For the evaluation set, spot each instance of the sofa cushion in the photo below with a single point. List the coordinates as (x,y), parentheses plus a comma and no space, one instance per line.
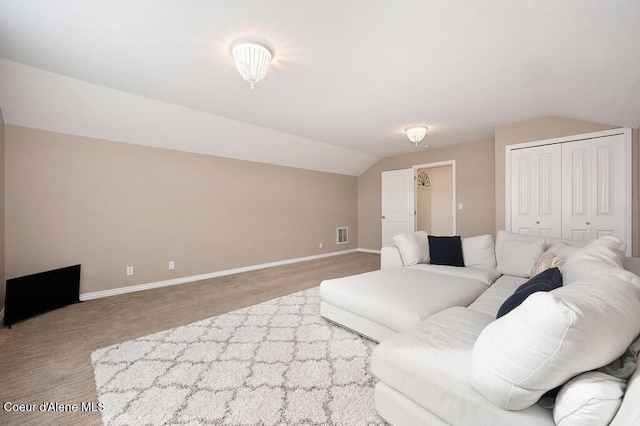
(629,412)
(549,338)
(569,275)
(413,247)
(549,242)
(390,257)
(603,256)
(490,301)
(479,252)
(446,251)
(592,398)
(503,236)
(561,247)
(547,280)
(431,365)
(518,257)
(563,250)
(605,250)
(487,276)
(397,409)
(399,298)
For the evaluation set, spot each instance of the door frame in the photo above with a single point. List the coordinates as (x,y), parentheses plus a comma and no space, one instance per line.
(451,163)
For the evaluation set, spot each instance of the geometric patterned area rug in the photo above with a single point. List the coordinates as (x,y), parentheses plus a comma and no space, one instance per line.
(275,363)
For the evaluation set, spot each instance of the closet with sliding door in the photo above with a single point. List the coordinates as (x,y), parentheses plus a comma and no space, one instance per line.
(576,187)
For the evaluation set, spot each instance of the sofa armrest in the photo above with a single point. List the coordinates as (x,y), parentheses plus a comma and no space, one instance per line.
(390,258)
(629,412)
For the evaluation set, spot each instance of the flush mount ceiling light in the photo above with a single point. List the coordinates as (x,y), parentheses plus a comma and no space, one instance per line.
(416,134)
(252,60)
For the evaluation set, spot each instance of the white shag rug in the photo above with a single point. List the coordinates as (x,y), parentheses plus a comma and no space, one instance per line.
(275,363)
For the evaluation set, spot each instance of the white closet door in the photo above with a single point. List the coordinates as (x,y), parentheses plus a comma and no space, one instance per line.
(536,191)
(594,181)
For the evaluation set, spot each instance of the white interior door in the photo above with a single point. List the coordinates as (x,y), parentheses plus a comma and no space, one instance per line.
(536,199)
(594,182)
(398,204)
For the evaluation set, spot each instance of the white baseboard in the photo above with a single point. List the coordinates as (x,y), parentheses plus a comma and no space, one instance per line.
(363,250)
(176,281)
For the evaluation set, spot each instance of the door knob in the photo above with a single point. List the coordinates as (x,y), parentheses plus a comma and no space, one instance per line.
(588,223)
(383,217)
(537,222)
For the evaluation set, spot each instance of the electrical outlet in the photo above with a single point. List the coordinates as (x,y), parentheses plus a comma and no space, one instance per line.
(172,264)
(129,270)
(459,206)
(320,245)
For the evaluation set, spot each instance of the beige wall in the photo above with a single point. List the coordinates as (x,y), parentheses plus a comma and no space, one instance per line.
(548,128)
(2,225)
(107,205)
(474,186)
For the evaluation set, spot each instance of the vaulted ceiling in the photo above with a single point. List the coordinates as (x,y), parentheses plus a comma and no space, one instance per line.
(347,78)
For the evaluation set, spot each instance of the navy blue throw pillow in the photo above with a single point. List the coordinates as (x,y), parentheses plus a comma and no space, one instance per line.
(446,251)
(544,281)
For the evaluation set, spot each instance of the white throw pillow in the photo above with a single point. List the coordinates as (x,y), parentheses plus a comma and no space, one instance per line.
(575,271)
(606,249)
(479,252)
(413,247)
(551,337)
(563,250)
(518,257)
(503,236)
(590,399)
(603,256)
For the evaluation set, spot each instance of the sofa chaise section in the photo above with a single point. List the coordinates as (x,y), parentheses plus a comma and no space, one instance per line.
(408,288)
(382,303)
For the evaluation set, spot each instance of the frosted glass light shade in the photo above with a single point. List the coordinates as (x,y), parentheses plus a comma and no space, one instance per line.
(416,134)
(252,60)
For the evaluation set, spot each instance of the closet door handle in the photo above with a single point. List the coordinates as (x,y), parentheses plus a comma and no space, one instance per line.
(588,223)
(383,217)
(537,222)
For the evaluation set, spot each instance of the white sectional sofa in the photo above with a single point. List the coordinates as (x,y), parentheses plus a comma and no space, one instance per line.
(444,358)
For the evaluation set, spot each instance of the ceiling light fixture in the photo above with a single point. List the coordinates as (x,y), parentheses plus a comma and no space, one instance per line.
(252,60)
(416,134)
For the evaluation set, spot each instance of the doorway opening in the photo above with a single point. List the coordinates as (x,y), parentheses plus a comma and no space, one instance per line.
(435,198)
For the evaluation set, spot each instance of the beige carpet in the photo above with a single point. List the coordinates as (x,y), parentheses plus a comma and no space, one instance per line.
(48,357)
(275,363)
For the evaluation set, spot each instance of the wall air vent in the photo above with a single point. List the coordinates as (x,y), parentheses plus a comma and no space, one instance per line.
(342,235)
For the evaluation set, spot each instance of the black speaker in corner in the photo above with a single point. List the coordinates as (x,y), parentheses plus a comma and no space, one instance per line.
(34,294)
